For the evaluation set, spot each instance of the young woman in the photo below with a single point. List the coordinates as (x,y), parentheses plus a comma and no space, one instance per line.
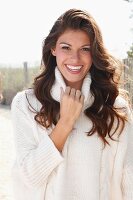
(73,130)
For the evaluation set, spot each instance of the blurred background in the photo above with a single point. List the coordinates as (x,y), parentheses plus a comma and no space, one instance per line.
(24,24)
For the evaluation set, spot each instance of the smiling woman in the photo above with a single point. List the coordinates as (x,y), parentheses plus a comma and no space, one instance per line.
(73,56)
(73,129)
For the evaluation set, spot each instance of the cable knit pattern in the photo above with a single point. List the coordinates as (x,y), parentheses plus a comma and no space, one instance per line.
(84,170)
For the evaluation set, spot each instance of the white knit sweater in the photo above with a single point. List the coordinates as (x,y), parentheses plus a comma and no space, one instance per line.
(83,171)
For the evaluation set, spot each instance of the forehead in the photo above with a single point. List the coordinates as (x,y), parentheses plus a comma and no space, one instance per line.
(74,37)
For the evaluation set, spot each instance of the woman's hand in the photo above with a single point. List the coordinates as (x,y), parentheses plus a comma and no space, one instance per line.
(70,108)
(71,105)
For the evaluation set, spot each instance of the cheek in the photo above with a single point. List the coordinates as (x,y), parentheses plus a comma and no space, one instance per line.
(88,63)
(60,57)
(88,60)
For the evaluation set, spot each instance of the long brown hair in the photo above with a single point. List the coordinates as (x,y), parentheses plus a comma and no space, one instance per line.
(104,86)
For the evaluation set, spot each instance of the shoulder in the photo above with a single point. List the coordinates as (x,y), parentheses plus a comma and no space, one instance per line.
(20,97)
(124,104)
(120,101)
(23,99)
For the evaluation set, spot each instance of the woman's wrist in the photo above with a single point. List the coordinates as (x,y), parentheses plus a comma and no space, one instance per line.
(66,124)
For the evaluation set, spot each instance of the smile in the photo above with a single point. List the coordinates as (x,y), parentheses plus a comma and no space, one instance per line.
(74,68)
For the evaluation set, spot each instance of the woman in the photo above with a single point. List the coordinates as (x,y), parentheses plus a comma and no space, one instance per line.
(73,129)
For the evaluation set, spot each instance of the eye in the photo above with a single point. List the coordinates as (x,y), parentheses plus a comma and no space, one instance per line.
(86,49)
(65,47)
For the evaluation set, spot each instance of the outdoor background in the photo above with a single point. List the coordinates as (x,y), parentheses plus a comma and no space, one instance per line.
(24,24)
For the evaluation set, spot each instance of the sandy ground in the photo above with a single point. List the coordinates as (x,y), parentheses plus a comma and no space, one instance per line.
(7,153)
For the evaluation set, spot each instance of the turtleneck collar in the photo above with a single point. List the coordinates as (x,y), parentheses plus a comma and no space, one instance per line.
(59,82)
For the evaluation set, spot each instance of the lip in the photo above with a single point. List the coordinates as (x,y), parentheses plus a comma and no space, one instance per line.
(73,72)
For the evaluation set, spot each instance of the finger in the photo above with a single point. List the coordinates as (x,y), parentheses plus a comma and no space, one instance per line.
(82,99)
(72,92)
(67,90)
(62,92)
(78,94)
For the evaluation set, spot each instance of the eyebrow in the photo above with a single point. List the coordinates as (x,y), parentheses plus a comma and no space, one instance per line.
(88,45)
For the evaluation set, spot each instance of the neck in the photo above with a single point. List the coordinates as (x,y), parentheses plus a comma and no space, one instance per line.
(75,85)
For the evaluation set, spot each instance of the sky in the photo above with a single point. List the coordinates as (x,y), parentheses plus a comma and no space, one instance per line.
(24,24)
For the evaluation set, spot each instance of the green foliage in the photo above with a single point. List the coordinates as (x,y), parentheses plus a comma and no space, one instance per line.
(13,81)
(130,52)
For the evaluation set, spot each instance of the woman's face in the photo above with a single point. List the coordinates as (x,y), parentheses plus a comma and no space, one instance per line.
(73,56)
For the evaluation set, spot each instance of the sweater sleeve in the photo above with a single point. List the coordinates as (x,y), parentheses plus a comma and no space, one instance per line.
(127,182)
(35,160)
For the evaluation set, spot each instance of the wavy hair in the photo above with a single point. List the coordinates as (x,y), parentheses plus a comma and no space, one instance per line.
(104,87)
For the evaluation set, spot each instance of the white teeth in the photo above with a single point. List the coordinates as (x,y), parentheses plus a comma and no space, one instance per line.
(74,67)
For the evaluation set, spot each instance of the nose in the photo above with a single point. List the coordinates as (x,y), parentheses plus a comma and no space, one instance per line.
(75,56)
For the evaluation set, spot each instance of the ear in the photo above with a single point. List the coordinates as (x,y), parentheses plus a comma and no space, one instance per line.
(53,52)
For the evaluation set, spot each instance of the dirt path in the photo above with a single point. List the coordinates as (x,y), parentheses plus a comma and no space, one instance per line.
(7,153)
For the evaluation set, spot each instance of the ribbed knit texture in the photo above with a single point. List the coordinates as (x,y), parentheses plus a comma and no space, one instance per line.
(84,170)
